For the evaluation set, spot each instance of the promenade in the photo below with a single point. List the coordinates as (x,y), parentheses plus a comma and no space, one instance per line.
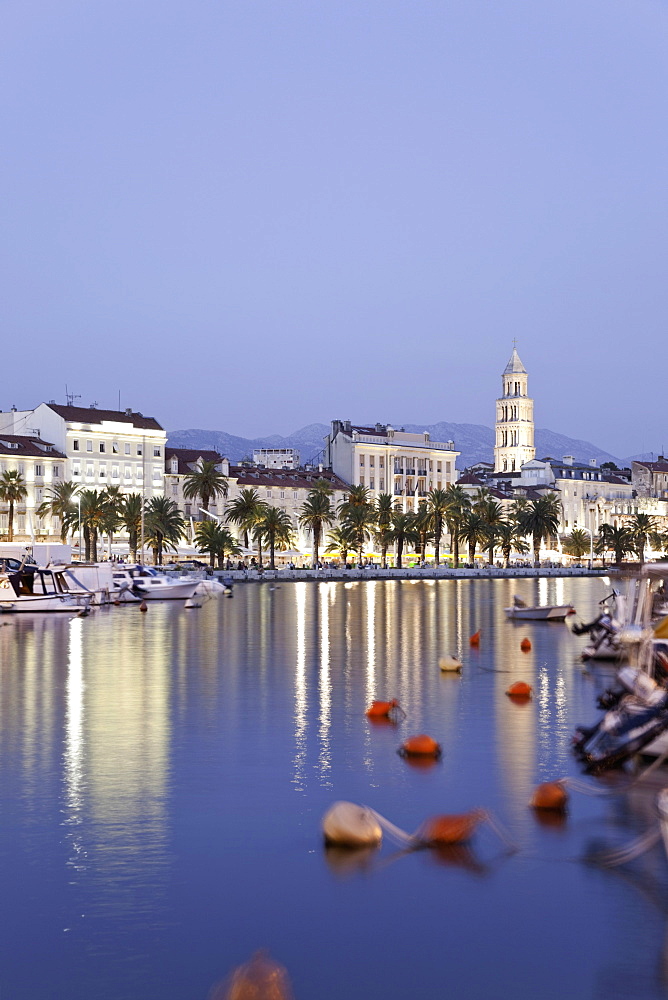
(413,573)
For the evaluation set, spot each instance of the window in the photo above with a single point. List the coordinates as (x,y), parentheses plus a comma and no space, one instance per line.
(371,483)
(38,495)
(282,494)
(447,468)
(175,489)
(89,471)
(362,480)
(114,448)
(156,452)
(76,471)
(361,459)
(140,472)
(157,475)
(114,472)
(381,462)
(103,472)
(75,445)
(103,447)
(89,445)
(21,468)
(188,509)
(139,451)
(371,461)
(56,471)
(295,495)
(39,470)
(128,472)
(382,483)
(438,466)
(127,448)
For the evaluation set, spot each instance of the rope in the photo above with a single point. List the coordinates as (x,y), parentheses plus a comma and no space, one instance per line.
(632,851)
(498,829)
(400,837)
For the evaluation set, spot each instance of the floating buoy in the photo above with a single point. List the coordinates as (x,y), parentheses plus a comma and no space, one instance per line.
(350,825)
(420,746)
(474,640)
(381,709)
(143,606)
(525,645)
(259,979)
(520,690)
(450,829)
(450,664)
(549,795)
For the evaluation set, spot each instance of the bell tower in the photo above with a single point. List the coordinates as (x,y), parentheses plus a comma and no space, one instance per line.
(514,419)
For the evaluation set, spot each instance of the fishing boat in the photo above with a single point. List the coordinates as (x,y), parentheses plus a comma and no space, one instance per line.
(540,613)
(25,587)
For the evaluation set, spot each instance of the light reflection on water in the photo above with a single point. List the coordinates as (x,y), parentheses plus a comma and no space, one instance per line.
(151,835)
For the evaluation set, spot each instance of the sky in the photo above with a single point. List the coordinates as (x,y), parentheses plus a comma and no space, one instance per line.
(255,215)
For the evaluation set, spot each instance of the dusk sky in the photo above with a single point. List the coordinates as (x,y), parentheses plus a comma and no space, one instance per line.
(250,216)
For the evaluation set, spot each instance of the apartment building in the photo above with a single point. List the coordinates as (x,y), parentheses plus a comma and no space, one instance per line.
(40,465)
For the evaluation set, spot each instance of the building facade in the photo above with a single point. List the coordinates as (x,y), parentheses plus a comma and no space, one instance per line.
(40,466)
(514,430)
(277,458)
(385,460)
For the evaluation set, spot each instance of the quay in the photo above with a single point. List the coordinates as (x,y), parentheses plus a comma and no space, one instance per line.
(414,573)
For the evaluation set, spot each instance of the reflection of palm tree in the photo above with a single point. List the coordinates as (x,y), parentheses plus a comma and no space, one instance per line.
(640,527)
(458,504)
(205,482)
(59,503)
(276,527)
(164,525)
(12,491)
(315,514)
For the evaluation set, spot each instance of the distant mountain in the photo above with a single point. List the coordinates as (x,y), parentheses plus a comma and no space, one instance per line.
(474,441)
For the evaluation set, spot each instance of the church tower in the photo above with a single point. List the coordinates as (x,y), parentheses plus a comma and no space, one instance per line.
(514,419)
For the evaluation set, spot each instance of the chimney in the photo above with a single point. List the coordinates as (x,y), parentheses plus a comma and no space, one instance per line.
(346,426)
(592,462)
(567,460)
(128,411)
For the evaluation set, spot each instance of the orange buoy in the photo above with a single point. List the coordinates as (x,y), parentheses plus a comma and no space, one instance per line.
(475,639)
(261,977)
(420,746)
(381,709)
(450,829)
(520,690)
(549,795)
(143,606)
(525,645)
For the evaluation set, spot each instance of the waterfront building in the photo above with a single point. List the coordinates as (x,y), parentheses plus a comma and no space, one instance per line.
(650,479)
(102,448)
(40,465)
(182,462)
(277,458)
(405,464)
(514,419)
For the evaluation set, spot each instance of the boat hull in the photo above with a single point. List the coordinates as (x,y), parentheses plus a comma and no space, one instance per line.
(554,613)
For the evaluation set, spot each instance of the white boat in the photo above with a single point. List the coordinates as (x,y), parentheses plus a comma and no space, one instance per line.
(28,588)
(148,585)
(541,613)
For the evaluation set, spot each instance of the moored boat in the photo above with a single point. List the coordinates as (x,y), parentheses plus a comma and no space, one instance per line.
(539,613)
(26,587)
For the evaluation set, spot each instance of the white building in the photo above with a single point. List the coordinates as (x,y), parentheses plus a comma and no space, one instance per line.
(277,458)
(40,466)
(385,460)
(102,448)
(182,462)
(514,419)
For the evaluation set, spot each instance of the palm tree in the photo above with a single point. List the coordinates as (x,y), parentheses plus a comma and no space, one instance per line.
(340,540)
(619,540)
(492,514)
(403,531)
(274,525)
(578,543)
(423,526)
(245,510)
(383,532)
(59,503)
(458,503)
(359,520)
(130,519)
(213,538)
(540,519)
(315,514)
(112,520)
(94,511)
(357,496)
(640,527)
(508,536)
(12,490)
(164,526)
(659,541)
(473,531)
(437,503)
(205,482)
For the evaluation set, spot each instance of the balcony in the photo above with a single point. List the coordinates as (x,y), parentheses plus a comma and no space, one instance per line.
(410,472)
(398,493)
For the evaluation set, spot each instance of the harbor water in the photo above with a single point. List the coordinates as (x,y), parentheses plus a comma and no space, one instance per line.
(163,777)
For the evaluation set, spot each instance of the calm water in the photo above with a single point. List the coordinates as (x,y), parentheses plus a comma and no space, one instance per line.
(163,776)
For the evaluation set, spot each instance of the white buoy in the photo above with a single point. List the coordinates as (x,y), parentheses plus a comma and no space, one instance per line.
(450,664)
(350,825)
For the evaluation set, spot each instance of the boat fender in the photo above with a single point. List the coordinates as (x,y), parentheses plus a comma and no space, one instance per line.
(525,645)
(450,664)
(260,977)
(381,709)
(351,825)
(474,640)
(420,746)
(520,690)
(143,606)
(550,795)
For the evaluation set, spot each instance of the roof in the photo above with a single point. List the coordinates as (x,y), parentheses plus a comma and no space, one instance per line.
(188,457)
(514,366)
(292,479)
(91,415)
(469,480)
(660,466)
(27,447)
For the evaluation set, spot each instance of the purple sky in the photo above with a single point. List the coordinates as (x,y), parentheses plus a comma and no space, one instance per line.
(250,216)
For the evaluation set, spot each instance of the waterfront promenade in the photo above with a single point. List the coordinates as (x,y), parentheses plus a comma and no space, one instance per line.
(411,573)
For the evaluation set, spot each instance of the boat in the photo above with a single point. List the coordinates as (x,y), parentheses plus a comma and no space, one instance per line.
(540,613)
(25,587)
(149,585)
(604,630)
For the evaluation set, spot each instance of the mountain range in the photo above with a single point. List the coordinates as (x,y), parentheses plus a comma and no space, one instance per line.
(474,441)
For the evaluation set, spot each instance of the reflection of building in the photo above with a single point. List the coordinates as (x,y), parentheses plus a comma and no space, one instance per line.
(385,460)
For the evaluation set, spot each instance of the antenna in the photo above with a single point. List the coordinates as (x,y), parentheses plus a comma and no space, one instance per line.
(70,397)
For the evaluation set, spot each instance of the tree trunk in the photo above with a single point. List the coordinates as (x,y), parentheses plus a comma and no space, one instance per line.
(221,560)
(316,545)
(212,557)
(259,553)
(438,531)
(506,558)
(423,550)
(10,522)
(472,552)
(383,555)
(86,534)
(271,551)
(536,550)
(400,550)
(454,545)
(93,544)
(344,556)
